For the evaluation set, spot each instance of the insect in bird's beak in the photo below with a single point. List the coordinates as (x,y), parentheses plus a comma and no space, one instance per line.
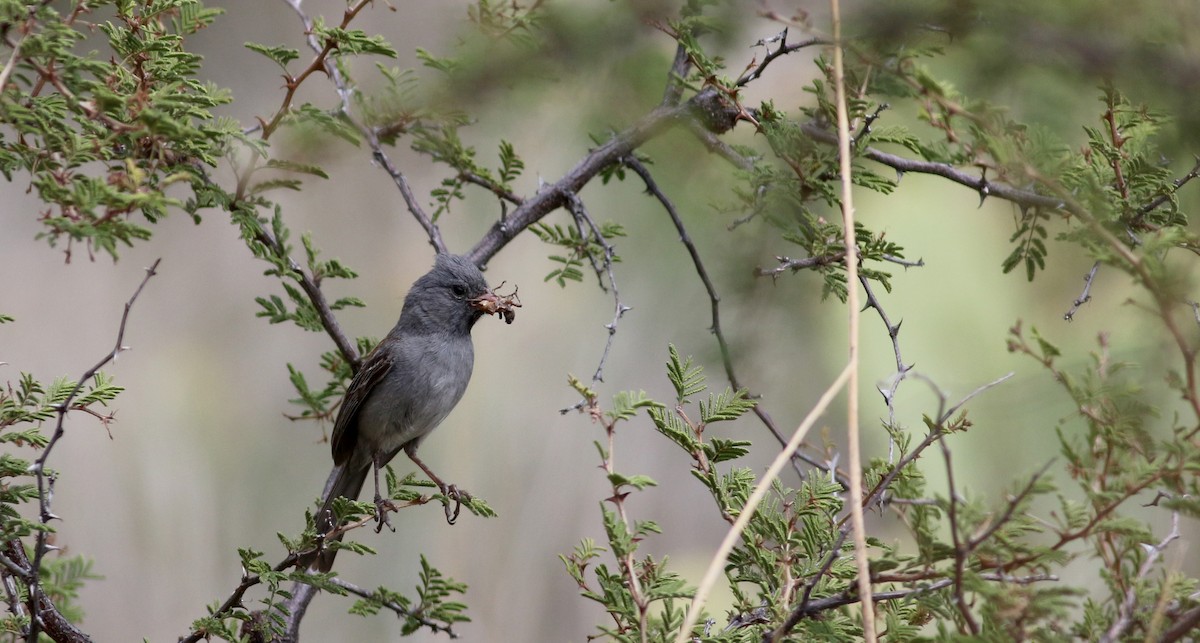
(491,303)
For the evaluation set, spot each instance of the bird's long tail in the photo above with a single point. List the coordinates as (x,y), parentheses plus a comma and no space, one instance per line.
(343,482)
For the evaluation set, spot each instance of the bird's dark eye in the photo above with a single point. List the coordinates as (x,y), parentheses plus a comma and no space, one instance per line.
(459,290)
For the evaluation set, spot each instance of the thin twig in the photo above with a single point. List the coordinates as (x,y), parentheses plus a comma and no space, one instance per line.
(344,93)
(714,299)
(889,390)
(399,609)
(782,50)
(625,560)
(45,483)
(235,598)
(868,120)
(877,492)
(893,333)
(1178,183)
(12,594)
(835,551)
(414,207)
(904,165)
(1125,612)
(313,291)
(579,212)
(554,195)
(961,552)
(492,186)
(1013,503)
(796,265)
(900,261)
(849,598)
(581,218)
(1085,296)
(944,416)
(321,62)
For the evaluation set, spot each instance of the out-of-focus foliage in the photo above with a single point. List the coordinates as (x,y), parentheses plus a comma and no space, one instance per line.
(101,138)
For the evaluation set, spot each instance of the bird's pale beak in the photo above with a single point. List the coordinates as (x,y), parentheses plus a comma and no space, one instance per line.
(488,303)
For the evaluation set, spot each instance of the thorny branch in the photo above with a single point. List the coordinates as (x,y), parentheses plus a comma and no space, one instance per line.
(44,615)
(401,181)
(654,190)
(554,195)
(847,597)
(399,609)
(321,62)
(893,383)
(961,552)
(344,92)
(902,369)
(580,214)
(796,265)
(1085,296)
(629,566)
(312,288)
(493,187)
(303,592)
(833,258)
(1125,612)
(783,49)
(235,598)
(45,482)
(1178,183)
(978,183)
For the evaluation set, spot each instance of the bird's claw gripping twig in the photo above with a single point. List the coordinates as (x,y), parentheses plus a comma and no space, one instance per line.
(383,507)
(453,493)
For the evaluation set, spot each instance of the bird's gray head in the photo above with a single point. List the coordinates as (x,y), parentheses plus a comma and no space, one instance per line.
(446,298)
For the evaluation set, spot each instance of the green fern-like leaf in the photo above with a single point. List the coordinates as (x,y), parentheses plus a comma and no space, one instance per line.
(728,405)
(685,377)
(627,403)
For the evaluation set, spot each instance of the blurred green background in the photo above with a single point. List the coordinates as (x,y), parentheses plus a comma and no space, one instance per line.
(202,460)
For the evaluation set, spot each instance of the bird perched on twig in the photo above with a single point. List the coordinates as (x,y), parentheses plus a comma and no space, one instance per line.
(406,386)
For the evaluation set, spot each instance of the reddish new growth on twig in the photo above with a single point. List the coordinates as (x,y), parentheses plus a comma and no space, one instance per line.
(493,303)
